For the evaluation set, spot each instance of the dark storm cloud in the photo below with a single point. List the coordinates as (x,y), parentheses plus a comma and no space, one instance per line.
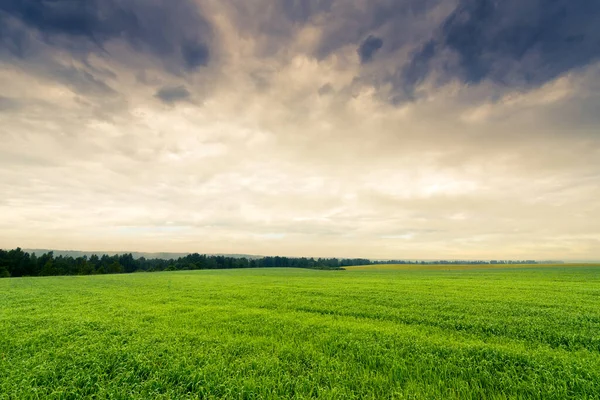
(511,43)
(195,55)
(14,39)
(172,94)
(397,23)
(368,48)
(517,43)
(171,29)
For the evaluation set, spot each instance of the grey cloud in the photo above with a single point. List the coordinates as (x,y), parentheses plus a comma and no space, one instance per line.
(8,104)
(415,71)
(325,89)
(172,94)
(195,55)
(396,23)
(21,48)
(303,10)
(368,48)
(512,43)
(13,38)
(80,80)
(172,30)
(274,23)
(271,24)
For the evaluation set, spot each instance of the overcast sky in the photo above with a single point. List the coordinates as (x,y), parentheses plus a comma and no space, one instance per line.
(365,128)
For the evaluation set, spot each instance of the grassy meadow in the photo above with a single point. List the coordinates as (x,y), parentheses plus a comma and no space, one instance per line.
(405,332)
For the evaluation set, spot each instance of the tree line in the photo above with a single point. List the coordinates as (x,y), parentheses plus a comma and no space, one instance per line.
(18,263)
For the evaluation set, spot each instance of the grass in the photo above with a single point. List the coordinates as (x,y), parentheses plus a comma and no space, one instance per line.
(411,333)
(460,267)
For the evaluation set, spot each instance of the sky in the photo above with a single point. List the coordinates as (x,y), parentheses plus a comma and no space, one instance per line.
(461,129)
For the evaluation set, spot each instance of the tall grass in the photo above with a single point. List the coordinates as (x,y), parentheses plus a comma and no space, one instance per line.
(287,333)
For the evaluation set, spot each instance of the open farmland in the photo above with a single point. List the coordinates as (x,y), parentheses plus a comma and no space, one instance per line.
(460,267)
(372,332)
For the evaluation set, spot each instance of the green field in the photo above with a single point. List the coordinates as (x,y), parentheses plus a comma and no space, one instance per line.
(438,333)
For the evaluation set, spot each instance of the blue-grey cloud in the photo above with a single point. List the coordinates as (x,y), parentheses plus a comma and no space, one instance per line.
(397,23)
(511,43)
(368,48)
(80,80)
(172,29)
(303,10)
(413,73)
(515,43)
(194,54)
(343,23)
(172,94)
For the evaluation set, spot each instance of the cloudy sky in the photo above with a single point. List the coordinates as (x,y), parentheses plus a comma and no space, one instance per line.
(364,128)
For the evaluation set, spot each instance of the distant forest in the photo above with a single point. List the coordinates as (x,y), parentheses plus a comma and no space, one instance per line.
(17,263)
